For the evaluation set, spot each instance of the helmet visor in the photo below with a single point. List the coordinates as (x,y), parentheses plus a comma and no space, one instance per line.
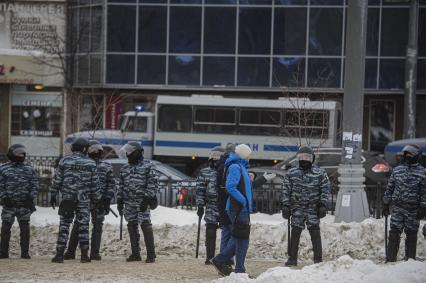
(411,149)
(19,151)
(305,157)
(126,150)
(95,148)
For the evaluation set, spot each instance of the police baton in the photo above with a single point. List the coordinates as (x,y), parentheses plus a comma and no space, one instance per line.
(288,236)
(386,237)
(198,236)
(121,227)
(113,213)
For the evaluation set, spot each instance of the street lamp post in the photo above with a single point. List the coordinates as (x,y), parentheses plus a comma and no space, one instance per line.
(351,202)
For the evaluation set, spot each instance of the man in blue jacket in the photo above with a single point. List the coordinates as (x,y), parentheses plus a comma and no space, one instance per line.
(238,207)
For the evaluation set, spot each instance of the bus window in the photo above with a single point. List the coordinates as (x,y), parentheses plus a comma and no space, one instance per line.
(137,124)
(174,118)
(259,122)
(307,123)
(214,120)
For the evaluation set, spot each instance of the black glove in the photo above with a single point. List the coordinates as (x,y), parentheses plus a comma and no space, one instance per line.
(286,212)
(424,231)
(321,210)
(200,211)
(28,203)
(106,203)
(385,210)
(153,203)
(421,213)
(53,201)
(144,206)
(7,202)
(120,206)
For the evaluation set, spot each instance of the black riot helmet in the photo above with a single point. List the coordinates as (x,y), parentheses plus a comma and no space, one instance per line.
(17,153)
(411,153)
(80,145)
(134,152)
(215,155)
(306,157)
(95,150)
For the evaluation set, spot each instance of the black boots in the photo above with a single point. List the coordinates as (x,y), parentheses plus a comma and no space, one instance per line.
(25,239)
(294,247)
(210,242)
(85,256)
(5,238)
(59,257)
(72,243)
(134,242)
(96,241)
(393,245)
(316,245)
(410,245)
(148,236)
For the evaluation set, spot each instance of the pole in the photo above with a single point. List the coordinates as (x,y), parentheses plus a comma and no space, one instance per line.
(198,237)
(351,205)
(411,72)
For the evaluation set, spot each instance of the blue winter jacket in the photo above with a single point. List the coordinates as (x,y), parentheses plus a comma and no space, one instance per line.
(237,167)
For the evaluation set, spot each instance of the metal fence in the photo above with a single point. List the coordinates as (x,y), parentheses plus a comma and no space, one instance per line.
(266,199)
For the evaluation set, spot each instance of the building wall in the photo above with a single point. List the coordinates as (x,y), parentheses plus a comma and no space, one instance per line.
(4,118)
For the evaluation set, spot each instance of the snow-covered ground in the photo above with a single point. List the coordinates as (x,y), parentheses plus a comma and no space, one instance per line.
(354,252)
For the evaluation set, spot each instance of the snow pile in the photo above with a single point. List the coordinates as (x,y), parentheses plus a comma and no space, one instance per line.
(175,231)
(343,270)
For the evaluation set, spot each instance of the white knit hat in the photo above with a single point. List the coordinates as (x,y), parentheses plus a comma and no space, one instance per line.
(243,151)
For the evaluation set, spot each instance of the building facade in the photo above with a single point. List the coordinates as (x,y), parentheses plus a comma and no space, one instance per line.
(130,51)
(32,37)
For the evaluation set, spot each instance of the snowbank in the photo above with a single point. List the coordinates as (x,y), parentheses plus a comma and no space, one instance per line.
(343,270)
(175,231)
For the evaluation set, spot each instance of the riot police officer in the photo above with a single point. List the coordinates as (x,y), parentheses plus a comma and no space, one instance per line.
(98,211)
(136,196)
(304,199)
(18,188)
(207,197)
(77,180)
(406,192)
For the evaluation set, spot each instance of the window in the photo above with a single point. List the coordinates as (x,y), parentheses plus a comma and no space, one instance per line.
(392,72)
(422,32)
(421,119)
(120,69)
(394,31)
(95,69)
(91,112)
(96,36)
(137,124)
(185,29)
(327,2)
(83,69)
(382,124)
(152,29)
(370,73)
(324,72)
(305,123)
(219,30)
(121,33)
(253,71)
(372,32)
(330,159)
(325,31)
(174,118)
(288,72)
(214,120)
(151,69)
(259,122)
(40,121)
(184,70)
(290,31)
(254,34)
(291,2)
(219,71)
(84,31)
